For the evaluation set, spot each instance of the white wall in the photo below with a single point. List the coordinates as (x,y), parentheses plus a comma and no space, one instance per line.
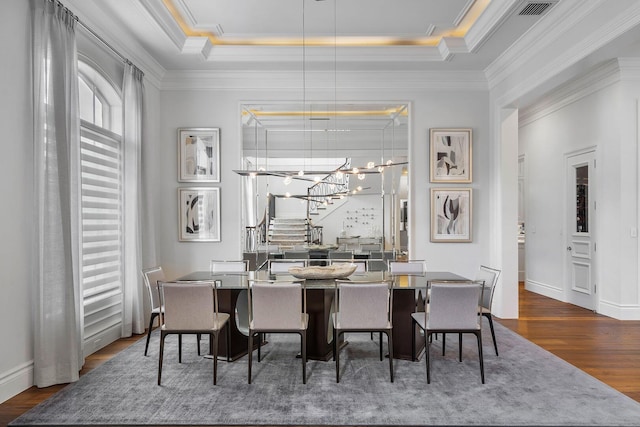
(220,108)
(606,120)
(16,191)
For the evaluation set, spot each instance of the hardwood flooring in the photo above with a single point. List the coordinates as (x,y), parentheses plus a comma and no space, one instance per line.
(606,348)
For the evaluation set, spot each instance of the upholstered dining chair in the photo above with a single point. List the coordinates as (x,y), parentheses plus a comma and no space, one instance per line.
(490,278)
(241,315)
(416,267)
(343,255)
(278,307)
(281,266)
(191,308)
(452,308)
(363,307)
(236,266)
(151,278)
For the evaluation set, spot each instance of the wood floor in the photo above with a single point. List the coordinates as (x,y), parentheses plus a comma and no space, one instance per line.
(606,348)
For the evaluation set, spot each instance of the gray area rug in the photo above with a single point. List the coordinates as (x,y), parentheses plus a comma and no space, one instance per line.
(525,386)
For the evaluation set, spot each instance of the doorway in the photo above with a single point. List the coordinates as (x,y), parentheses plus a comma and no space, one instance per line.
(580,202)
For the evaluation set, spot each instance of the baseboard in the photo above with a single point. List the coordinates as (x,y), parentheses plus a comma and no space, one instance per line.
(16,381)
(544,289)
(619,311)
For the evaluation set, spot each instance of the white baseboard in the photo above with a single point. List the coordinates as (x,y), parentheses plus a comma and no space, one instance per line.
(102,339)
(16,381)
(619,311)
(544,289)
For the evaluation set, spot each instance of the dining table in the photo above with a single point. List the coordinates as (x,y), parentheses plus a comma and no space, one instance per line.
(409,292)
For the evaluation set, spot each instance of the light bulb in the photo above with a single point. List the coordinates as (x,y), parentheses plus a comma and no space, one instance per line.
(370,165)
(287,180)
(287,194)
(360,176)
(354,191)
(316,178)
(253,174)
(389,162)
(261,169)
(300,172)
(359,188)
(339,174)
(355,170)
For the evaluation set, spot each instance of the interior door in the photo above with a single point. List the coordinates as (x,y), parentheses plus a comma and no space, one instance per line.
(581,244)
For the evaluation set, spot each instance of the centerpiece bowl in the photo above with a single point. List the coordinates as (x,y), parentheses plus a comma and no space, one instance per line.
(336,271)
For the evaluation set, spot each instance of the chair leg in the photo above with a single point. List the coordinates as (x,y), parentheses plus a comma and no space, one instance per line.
(153,317)
(479,336)
(303,350)
(336,354)
(250,354)
(459,347)
(180,348)
(260,339)
(198,336)
(162,335)
(390,345)
(214,350)
(427,357)
(380,338)
(493,334)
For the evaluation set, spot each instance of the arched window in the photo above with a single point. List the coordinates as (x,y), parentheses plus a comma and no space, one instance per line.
(101,178)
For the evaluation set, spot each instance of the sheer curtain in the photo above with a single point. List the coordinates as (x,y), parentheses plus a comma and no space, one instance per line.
(132,93)
(57,307)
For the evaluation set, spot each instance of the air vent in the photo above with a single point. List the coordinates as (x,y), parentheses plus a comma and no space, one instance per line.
(535,8)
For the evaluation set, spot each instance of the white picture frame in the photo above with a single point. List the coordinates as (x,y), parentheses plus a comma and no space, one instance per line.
(450,155)
(199,214)
(451,215)
(199,155)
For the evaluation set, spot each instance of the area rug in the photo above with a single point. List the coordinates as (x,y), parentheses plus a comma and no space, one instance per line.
(525,386)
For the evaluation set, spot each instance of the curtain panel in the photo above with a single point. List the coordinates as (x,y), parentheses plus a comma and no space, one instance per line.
(57,296)
(132,96)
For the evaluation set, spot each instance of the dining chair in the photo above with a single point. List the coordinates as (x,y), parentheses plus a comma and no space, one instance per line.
(241,312)
(191,308)
(340,255)
(490,278)
(295,254)
(281,266)
(417,267)
(236,266)
(368,247)
(452,308)
(278,307)
(151,278)
(363,307)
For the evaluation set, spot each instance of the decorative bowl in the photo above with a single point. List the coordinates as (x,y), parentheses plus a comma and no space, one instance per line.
(336,271)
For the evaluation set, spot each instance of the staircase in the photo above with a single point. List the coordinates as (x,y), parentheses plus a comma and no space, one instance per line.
(288,232)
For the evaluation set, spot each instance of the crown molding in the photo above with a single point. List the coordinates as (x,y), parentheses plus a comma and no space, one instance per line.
(291,81)
(558,21)
(488,23)
(600,77)
(563,59)
(131,49)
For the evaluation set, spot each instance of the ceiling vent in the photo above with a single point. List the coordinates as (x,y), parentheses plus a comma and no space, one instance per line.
(536,8)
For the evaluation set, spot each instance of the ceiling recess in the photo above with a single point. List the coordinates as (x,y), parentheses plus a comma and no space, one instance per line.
(535,8)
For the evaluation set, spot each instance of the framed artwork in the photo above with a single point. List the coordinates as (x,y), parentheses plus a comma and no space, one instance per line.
(451,218)
(199,214)
(450,155)
(199,155)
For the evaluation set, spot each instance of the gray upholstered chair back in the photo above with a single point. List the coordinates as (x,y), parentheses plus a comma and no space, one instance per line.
(363,305)
(151,278)
(490,278)
(407,267)
(454,306)
(229,266)
(281,266)
(276,306)
(188,305)
(340,255)
(296,254)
